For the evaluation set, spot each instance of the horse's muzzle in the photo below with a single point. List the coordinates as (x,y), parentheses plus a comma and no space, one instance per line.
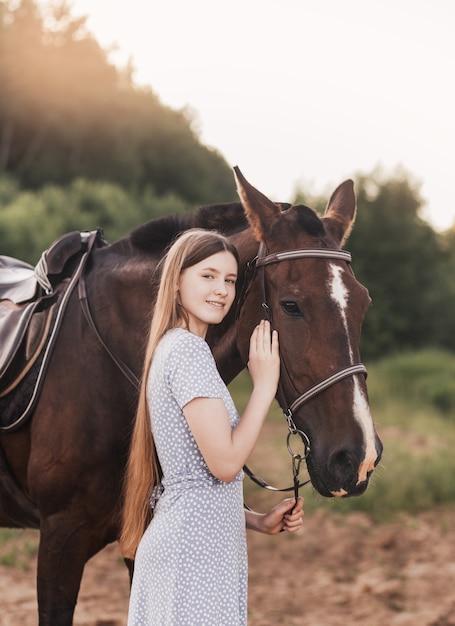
(343,475)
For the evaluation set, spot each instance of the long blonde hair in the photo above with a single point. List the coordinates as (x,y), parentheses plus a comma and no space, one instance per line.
(143,471)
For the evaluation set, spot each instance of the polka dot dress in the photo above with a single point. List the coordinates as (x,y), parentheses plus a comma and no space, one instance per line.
(191,565)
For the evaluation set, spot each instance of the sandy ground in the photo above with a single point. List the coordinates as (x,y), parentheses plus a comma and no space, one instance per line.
(339,571)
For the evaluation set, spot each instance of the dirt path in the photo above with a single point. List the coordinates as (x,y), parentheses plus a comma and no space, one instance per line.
(340,571)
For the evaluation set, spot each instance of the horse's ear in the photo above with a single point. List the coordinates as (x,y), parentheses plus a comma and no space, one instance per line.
(339,216)
(259,210)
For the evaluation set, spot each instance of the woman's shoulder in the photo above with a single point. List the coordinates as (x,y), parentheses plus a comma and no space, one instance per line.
(179,339)
(185,354)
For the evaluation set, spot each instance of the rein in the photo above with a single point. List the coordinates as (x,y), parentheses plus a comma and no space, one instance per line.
(259,264)
(83,299)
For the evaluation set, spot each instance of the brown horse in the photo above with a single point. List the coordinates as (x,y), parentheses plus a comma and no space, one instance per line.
(68,460)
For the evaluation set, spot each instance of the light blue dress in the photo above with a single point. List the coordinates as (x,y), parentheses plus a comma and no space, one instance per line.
(191,565)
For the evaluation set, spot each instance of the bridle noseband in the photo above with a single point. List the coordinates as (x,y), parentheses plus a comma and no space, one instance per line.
(259,264)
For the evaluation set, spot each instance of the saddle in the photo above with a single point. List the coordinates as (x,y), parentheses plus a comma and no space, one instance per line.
(32,303)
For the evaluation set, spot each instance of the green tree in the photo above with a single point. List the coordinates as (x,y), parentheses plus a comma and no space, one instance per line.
(31,220)
(444,313)
(66,112)
(399,257)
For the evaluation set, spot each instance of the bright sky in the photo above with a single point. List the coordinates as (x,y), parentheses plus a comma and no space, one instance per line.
(302,92)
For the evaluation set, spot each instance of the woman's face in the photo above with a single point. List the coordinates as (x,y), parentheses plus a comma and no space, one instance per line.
(207,290)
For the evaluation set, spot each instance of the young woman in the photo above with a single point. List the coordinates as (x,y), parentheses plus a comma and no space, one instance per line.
(188,449)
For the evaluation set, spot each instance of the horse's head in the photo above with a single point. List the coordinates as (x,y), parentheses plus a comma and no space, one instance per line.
(315,302)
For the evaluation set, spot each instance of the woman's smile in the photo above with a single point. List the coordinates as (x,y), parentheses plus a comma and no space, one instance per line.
(207,291)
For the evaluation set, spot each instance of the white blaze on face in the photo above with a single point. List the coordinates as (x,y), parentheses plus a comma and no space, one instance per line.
(365,419)
(361,409)
(339,294)
(338,289)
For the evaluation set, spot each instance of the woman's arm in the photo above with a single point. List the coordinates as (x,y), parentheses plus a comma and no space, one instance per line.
(285,516)
(226,450)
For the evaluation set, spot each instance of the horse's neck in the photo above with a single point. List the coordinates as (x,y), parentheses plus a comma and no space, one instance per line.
(224,348)
(121,298)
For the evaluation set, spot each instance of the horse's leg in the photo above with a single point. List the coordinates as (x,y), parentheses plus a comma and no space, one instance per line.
(61,559)
(66,544)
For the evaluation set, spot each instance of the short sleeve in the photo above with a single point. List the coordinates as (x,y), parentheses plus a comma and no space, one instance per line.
(191,370)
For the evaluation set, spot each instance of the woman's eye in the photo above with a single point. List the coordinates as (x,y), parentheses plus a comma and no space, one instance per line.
(291,308)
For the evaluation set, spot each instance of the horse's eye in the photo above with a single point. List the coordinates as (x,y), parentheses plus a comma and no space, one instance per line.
(291,308)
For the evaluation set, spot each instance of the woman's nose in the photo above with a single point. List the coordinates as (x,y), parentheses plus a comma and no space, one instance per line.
(221,287)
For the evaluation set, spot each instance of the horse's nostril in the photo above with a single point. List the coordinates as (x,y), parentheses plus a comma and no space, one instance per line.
(342,466)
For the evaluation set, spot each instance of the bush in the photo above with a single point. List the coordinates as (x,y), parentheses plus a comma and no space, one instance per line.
(31,221)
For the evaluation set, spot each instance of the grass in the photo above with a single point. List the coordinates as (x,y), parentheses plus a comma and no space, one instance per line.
(425,378)
(412,397)
(18,548)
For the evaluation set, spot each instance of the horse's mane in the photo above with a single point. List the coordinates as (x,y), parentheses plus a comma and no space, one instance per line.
(226,218)
(157,234)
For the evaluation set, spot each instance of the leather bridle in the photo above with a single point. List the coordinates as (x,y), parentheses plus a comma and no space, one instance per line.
(259,264)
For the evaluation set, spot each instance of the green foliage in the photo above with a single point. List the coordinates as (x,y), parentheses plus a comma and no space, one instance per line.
(31,221)
(14,551)
(400,259)
(9,188)
(66,112)
(425,378)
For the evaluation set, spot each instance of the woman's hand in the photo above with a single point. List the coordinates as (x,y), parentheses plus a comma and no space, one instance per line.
(285,516)
(264,358)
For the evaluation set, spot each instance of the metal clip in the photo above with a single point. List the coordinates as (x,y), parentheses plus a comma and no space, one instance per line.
(296,463)
(297,458)
(305,441)
(291,426)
